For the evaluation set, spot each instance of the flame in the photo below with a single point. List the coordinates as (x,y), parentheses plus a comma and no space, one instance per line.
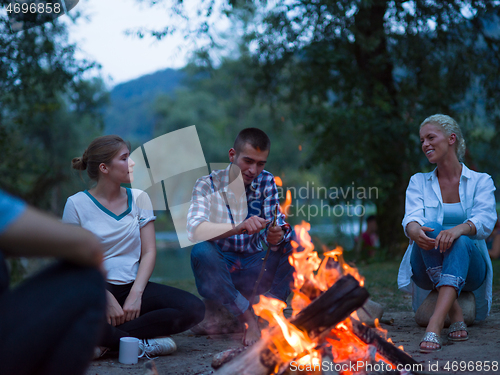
(278,181)
(354,315)
(337,255)
(287,203)
(296,341)
(313,276)
(300,147)
(305,263)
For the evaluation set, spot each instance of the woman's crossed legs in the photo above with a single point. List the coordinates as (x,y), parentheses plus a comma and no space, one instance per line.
(459,268)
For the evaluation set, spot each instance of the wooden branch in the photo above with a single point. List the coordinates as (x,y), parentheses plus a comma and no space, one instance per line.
(256,360)
(386,349)
(333,306)
(225,356)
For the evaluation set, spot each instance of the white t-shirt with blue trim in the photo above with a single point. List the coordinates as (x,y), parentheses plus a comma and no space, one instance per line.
(119,234)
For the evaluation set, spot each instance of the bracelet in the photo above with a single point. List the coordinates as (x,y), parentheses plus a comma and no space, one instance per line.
(470,227)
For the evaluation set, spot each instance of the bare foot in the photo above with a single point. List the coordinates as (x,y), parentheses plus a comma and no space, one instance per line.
(252,331)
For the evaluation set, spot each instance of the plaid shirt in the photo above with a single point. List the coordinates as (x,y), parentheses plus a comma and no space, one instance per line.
(208,203)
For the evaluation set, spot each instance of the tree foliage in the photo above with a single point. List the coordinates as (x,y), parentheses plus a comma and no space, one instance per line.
(219,103)
(48,111)
(364,74)
(360,76)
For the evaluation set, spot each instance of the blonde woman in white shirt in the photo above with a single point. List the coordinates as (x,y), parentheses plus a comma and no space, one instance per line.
(448,214)
(123,220)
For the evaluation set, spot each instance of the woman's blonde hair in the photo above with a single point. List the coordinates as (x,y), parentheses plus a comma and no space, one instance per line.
(449,127)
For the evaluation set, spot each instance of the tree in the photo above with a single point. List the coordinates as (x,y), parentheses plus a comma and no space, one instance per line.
(48,111)
(219,102)
(366,73)
(360,76)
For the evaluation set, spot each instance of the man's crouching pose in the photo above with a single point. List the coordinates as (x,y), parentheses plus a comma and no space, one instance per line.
(232,210)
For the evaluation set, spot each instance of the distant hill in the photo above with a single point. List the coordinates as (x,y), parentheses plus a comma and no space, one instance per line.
(131,111)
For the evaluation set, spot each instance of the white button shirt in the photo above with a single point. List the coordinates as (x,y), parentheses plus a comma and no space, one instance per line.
(424,203)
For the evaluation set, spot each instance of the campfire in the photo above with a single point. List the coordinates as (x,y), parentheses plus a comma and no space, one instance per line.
(324,334)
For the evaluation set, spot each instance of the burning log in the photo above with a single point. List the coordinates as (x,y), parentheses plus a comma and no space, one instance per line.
(225,356)
(333,306)
(389,351)
(321,332)
(329,309)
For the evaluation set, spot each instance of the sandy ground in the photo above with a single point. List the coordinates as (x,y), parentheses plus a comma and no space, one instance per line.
(195,353)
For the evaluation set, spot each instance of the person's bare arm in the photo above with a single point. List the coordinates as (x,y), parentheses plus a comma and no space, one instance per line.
(132,305)
(495,247)
(37,234)
(445,238)
(207,231)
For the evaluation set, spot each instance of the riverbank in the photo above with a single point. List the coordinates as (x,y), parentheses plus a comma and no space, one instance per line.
(195,353)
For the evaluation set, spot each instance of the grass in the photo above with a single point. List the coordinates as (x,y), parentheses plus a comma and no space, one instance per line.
(380,280)
(381,283)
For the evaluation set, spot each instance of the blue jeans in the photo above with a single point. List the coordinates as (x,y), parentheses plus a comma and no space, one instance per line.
(461,266)
(230,277)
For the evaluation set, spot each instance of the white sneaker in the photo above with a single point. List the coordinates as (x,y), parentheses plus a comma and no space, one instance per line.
(99,351)
(159,346)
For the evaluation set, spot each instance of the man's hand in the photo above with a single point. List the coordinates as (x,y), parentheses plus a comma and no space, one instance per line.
(252,225)
(275,235)
(114,311)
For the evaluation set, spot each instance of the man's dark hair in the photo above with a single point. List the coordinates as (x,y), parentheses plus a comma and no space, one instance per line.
(255,137)
(371,218)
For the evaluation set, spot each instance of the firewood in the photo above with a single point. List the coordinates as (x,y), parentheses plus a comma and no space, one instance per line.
(256,360)
(389,321)
(388,350)
(372,324)
(225,356)
(326,311)
(333,306)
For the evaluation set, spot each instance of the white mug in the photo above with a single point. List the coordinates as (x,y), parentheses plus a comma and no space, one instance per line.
(129,351)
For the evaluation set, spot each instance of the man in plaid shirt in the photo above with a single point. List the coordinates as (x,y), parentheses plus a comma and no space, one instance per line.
(232,211)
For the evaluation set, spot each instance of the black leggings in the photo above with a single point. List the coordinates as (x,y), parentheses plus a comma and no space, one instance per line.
(164,311)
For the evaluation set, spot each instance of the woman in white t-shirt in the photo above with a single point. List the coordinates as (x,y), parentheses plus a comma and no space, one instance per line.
(123,220)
